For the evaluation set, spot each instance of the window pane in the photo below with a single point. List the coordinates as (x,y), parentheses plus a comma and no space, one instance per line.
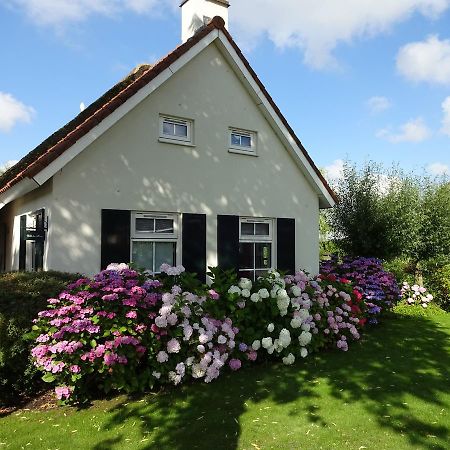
(246,141)
(235,139)
(263,255)
(247,229)
(262,229)
(145,225)
(164,254)
(164,226)
(181,130)
(168,128)
(143,255)
(247,274)
(246,255)
(260,273)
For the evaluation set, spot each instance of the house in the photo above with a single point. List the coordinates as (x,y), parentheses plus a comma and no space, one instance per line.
(187,161)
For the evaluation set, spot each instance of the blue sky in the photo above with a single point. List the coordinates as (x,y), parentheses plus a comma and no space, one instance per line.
(356,79)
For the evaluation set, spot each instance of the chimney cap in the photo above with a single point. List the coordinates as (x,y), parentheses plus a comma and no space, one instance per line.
(221,2)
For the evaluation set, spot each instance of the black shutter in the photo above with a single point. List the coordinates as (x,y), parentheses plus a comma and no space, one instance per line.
(194,244)
(40,239)
(228,242)
(286,245)
(23,243)
(115,237)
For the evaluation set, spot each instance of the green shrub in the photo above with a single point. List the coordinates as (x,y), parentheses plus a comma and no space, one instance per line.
(22,296)
(402,268)
(437,278)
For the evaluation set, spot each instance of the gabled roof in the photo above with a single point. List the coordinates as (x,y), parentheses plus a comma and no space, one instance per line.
(63,139)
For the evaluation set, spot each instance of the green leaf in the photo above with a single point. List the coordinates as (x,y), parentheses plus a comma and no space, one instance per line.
(48,378)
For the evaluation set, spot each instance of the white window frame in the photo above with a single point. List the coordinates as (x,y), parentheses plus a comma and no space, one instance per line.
(183,140)
(242,149)
(175,237)
(258,239)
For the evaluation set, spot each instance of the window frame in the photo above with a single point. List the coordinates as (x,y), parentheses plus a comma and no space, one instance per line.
(258,239)
(174,237)
(176,139)
(242,149)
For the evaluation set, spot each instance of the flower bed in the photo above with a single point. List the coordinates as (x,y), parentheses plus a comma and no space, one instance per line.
(124,331)
(379,288)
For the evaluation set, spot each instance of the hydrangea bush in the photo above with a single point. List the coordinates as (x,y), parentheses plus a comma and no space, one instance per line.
(379,288)
(127,331)
(415,295)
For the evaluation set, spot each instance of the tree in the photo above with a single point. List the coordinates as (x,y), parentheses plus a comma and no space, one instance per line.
(377,212)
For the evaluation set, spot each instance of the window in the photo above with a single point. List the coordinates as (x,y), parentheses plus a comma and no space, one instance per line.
(242,141)
(154,240)
(255,247)
(173,129)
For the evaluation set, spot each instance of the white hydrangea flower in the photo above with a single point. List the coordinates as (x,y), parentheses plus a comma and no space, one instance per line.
(234,290)
(282,294)
(201,348)
(157,375)
(264,293)
(245,283)
(285,338)
(296,322)
(245,293)
(221,339)
(190,361)
(256,345)
(303,314)
(296,291)
(305,338)
(303,352)
(267,342)
(270,327)
(289,359)
(283,304)
(306,327)
(255,298)
(271,349)
(198,371)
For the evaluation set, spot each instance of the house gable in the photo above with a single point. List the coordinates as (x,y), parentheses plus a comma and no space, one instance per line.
(49,161)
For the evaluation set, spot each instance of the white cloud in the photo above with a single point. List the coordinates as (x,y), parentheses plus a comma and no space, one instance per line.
(427,61)
(378,104)
(317,27)
(13,111)
(335,171)
(413,131)
(446,119)
(314,27)
(438,169)
(59,13)
(7,165)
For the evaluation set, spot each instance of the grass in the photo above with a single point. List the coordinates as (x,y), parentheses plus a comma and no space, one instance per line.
(390,391)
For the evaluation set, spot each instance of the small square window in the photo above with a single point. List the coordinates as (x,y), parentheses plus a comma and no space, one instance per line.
(243,141)
(174,129)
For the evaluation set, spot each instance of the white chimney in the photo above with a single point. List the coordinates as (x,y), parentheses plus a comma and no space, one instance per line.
(197,13)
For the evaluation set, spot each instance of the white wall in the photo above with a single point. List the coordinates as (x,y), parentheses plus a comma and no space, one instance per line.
(128,168)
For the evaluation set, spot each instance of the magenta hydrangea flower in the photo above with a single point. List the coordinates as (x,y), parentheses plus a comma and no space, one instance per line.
(235,364)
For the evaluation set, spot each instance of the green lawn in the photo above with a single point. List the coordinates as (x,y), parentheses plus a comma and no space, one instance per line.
(391,391)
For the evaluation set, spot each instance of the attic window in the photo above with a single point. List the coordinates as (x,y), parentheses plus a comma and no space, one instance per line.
(175,129)
(242,141)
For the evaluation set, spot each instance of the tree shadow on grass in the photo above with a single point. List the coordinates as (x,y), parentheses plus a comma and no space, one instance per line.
(403,361)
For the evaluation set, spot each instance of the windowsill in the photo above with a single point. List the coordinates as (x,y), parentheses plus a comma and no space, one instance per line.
(241,152)
(176,142)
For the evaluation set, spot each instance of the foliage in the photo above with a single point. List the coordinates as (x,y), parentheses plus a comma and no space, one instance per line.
(437,276)
(389,391)
(101,330)
(377,212)
(22,296)
(380,289)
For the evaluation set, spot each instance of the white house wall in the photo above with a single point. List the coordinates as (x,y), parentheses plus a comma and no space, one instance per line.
(127,168)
